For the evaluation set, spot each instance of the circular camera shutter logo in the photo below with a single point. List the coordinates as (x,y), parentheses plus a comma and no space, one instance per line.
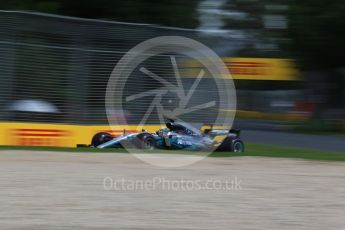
(170,99)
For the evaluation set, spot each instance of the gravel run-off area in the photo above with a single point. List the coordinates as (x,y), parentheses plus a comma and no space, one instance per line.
(56,190)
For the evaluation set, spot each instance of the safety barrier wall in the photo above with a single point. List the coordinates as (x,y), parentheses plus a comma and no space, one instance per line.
(32,134)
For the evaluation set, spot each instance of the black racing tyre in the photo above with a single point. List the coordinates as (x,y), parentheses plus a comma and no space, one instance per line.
(100,138)
(145,141)
(237,146)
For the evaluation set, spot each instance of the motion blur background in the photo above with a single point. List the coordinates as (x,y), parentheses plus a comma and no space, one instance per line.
(287,58)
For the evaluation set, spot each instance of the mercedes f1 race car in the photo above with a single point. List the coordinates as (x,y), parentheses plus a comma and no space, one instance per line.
(176,135)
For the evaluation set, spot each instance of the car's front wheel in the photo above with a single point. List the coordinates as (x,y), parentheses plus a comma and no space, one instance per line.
(100,138)
(146,141)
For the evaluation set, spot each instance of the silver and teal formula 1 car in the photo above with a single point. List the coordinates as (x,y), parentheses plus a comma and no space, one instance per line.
(176,135)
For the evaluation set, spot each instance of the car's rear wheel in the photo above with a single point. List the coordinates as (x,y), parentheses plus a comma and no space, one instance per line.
(238,147)
(100,138)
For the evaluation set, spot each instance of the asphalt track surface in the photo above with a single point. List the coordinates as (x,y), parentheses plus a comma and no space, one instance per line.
(322,142)
(54,190)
